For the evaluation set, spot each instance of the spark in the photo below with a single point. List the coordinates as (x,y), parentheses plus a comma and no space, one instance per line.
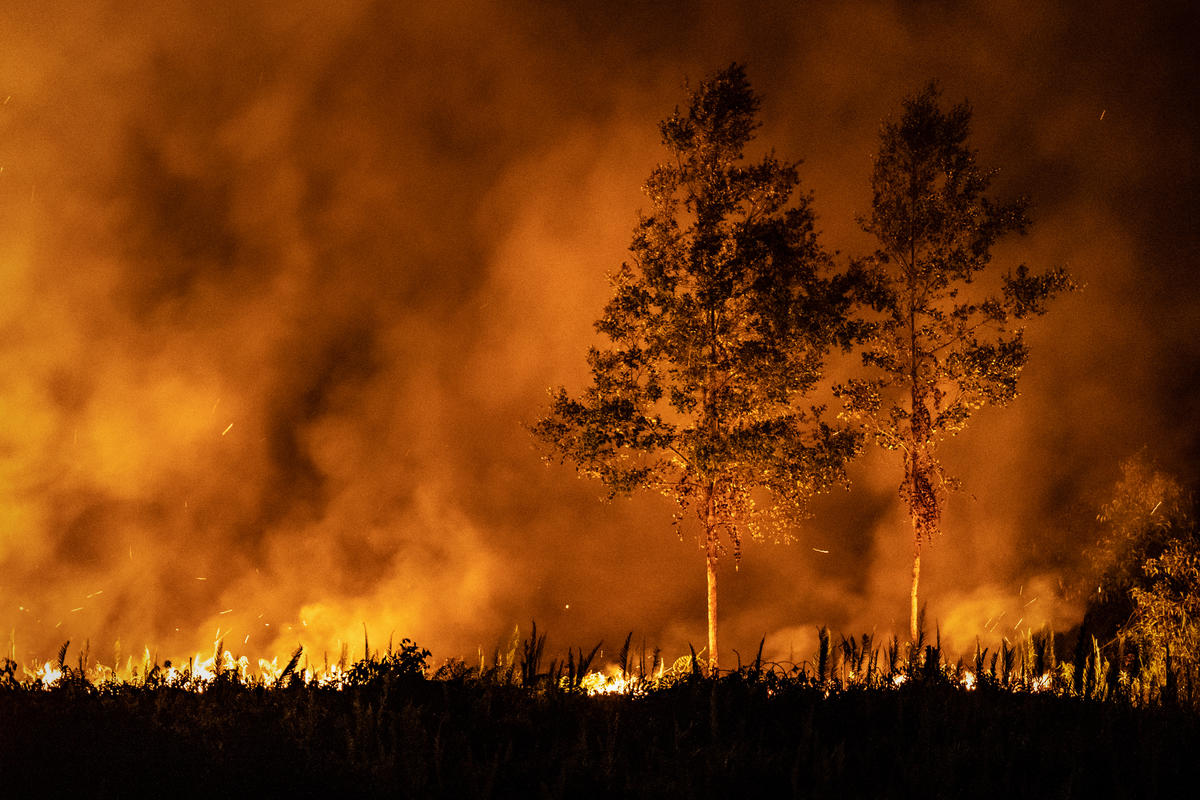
(73,610)
(1022,619)
(1031,602)
(1103,112)
(226,611)
(1156,505)
(227,428)
(201,579)
(819,550)
(93,594)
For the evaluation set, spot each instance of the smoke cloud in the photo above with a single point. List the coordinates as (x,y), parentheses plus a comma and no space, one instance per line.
(280,288)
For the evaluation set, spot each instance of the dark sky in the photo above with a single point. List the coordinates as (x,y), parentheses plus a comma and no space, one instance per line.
(280,284)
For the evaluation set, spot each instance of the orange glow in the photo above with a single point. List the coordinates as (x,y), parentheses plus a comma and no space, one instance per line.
(279,290)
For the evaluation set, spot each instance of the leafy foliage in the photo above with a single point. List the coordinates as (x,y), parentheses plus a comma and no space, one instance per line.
(938,354)
(1147,510)
(717,328)
(1167,608)
(407,662)
(1146,566)
(941,349)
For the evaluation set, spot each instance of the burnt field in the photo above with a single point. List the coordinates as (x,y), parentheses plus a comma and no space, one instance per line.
(856,721)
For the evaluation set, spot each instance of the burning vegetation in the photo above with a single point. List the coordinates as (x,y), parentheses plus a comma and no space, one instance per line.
(1019,719)
(277,291)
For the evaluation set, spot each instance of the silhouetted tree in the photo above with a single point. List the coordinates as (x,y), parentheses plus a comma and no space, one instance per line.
(718,327)
(937,355)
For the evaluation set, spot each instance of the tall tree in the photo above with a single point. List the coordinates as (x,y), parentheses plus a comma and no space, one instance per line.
(942,348)
(717,329)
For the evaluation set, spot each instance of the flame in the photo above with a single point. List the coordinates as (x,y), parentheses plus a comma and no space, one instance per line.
(614,682)
(200,673)
(49,674)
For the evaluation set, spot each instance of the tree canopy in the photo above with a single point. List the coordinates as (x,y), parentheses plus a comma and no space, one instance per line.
(717,330)
(940,351)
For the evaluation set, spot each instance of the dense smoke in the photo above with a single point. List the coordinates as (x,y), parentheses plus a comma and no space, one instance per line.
(279,288)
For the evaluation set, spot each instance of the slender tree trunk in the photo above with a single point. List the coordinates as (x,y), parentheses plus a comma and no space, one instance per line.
(711,558)
(918,417)
(710,516)
(922,500)
(916,577)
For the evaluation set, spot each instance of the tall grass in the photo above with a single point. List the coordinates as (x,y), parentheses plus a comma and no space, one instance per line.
(860,717)
(1125,672)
